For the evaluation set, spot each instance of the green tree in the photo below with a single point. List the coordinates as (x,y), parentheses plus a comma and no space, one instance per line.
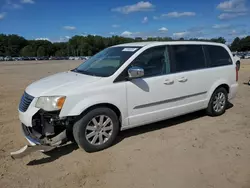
(10,45)
(14,45)
(28,51)
(245,43)
(219,40)
(41,51)
(235,46)
(47,45)
(60,49)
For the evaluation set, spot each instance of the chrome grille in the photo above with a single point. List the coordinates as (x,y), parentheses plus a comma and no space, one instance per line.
(25,102)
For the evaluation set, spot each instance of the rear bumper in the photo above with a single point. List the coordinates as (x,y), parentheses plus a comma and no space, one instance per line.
(233,91)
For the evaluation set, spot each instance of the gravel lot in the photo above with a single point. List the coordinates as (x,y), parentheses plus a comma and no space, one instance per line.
(189,151)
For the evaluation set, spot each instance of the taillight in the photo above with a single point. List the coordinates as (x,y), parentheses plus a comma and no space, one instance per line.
(237,74)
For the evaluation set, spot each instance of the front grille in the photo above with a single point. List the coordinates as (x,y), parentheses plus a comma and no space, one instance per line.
(25,102)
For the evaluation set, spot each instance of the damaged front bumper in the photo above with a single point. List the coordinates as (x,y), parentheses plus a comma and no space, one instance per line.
(46,132)
(26,150)
(36,138)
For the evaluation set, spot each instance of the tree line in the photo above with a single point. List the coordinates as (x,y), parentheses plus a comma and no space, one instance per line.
(15,45)
(241,45)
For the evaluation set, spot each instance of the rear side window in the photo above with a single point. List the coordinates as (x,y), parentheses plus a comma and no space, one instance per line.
(218,56)
(187,57)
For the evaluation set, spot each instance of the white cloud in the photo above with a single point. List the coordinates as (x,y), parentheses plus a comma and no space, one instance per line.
(61,39)
(145,19)
(2,15)
(175,15)
(221,26)
(138,7)
(16,6)
(27,1)
(126,33)
(131,34)
(178,14)
(233,32)
(181,34)
(112,33)
(42,39)
(233,6)
(115,26)
(227,16)
(10,5)
(69,27)
(163,29)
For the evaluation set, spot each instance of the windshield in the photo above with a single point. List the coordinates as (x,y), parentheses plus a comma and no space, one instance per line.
(106,62)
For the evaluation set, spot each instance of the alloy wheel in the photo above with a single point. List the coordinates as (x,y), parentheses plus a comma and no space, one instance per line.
(99,130)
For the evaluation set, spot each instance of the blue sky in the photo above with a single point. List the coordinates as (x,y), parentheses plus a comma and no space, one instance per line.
(57,20)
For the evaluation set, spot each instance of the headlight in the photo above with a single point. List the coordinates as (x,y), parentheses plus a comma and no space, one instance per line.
(50,103)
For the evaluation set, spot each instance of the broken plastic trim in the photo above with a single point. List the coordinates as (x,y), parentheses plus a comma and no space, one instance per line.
(26,150)
(49,145)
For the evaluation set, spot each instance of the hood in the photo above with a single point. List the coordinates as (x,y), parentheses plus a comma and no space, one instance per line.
(56,84)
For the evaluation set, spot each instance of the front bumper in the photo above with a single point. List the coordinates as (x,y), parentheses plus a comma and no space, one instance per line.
(27,131)
(26,122)
(26,117)
(43,128)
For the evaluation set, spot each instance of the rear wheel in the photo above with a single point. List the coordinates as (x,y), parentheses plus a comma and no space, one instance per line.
(96,130)
(218,102)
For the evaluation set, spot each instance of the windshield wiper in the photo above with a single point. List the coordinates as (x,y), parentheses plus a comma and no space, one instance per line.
(85,72)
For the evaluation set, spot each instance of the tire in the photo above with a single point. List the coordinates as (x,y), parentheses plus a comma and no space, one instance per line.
(238,65)
(211,109)
(92,135)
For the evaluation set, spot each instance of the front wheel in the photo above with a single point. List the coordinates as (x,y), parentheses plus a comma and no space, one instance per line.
(218,102)
(96,130)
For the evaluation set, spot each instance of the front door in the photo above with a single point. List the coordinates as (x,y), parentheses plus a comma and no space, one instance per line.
(148,97)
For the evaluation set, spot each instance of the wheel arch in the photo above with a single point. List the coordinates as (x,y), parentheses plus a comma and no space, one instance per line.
(217,85)
(106,105)
(226,86)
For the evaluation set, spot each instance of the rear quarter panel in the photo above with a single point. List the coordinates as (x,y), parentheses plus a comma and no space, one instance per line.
(222,75)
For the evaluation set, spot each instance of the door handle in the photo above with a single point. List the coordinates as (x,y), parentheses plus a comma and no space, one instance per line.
(168,82)
(182,79)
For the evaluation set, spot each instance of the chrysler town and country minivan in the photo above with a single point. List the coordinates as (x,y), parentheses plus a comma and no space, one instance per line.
(126,86)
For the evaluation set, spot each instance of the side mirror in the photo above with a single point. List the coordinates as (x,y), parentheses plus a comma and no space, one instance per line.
(135,72)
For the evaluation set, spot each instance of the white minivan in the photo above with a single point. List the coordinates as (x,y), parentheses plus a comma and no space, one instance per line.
(126,86)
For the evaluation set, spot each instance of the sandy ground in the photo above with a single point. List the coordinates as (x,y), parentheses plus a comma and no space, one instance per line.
(192,151)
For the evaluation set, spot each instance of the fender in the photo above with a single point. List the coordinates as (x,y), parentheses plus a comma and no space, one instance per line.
(84,104)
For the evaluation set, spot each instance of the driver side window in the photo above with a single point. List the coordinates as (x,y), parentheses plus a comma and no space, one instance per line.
(154,61)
